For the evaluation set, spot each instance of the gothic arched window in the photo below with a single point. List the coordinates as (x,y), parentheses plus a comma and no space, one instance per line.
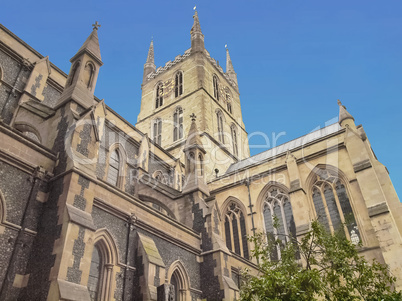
(101,271)
(95,273)
(234,140)
(277,207)
(157,131)
(114,166)
(159,96)
(216,87)
(178,124)
(178,84)
(332,205)
(235,230)
(219,119)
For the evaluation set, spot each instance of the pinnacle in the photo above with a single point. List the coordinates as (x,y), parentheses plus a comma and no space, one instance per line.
(91,45)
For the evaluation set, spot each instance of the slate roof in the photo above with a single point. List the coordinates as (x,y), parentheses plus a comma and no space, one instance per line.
(283,148)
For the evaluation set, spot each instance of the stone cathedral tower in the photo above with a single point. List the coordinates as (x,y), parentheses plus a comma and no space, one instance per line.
(194,83)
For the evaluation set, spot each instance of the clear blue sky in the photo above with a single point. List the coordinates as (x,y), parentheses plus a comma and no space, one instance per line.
(293,59)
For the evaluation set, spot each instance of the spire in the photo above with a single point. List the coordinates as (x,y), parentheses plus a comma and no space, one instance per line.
(91,46)
(85,64)
(344,114)
(229,67)
(196,26)
(197,38)
(149,66)
(150,57)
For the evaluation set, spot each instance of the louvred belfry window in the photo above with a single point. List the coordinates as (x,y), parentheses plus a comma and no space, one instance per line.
(159,96)
(216,87)
(178,124)
(178,84)
(234,140)
(157,131)
(219,119)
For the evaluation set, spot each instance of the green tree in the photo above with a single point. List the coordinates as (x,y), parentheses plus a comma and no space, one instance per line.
(332,269)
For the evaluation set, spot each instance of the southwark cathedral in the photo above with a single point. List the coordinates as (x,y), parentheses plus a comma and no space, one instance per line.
(95,208)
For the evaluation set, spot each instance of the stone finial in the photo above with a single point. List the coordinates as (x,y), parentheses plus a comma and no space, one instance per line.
(96,25)
(197,38)
(193,117)
(196,26)
(343,113)
(151,57)
(149,66)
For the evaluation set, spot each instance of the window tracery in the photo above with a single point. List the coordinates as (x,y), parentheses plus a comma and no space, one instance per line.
(235,230)
(277,207)
(332,205)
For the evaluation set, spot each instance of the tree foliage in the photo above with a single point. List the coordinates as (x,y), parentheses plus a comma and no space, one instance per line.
(319,267)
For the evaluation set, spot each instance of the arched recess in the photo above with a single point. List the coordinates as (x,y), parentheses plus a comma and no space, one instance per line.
(29,131)
(89,72)
(178,276)
(74,73)
(120,166)
(102,274)
(235,226)
(161,177)
(158,205)
(329,196)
